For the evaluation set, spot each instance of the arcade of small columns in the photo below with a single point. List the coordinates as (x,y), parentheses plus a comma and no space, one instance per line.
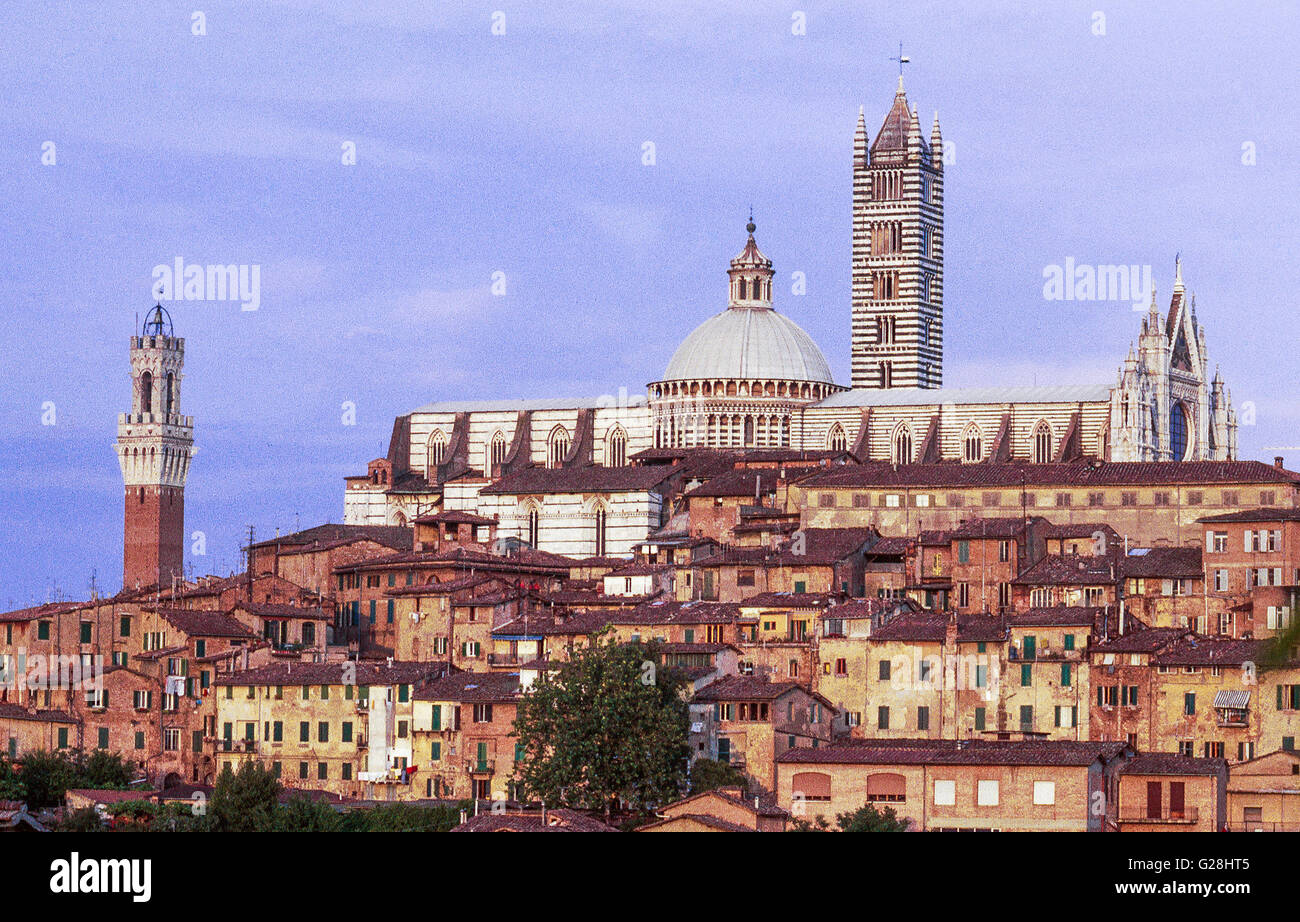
(729,413)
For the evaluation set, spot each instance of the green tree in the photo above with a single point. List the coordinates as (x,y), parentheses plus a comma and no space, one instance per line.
(86,819)
(246,800)
(609,724)
(47,776)
(302,814)
(868,819)
(710,774)
(11,783)
(103,770)
(409,818)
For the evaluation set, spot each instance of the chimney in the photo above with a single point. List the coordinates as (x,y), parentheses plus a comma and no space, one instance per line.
(1277,462)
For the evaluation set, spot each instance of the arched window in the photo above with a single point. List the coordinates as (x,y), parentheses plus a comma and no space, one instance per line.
(557,447)
(812,785)
(534,524)
(616,448)
(600,531)
(1178,432)
(146,393)
(496,451)
(437,452)
(837,440)
(749,432)
(902,444)
(886,787)
(167,394)
(972,448)
(742,290)
(1042,443)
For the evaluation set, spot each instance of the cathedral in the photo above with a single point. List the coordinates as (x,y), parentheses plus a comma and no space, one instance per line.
(749,378)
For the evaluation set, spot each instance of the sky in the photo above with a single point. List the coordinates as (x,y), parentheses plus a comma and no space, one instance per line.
(508,142)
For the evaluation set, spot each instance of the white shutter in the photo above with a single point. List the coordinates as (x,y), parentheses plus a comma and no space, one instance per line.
(1166,587)
(1209,542)
(1272,617)
(1248,536)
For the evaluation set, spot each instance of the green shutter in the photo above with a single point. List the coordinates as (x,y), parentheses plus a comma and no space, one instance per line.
(979,718)
(1065,674)
(347,731)
(437,717)
(1189,703)
(404,692)
(435,751)
(139,739)
(1069,641)
(1026,674)
(304,732)
(103,737)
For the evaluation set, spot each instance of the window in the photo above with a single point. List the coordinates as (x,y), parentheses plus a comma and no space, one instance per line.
(1128,498)
(884,670)
(980,718)
(1096,499)
(1189,703)
(837,441)
(482,713)
(963,552)
(882,718)
(945,793)
(987,794)
(903,445)
(172,739)
(923,718)
(1044,793)
(1178,431)
(972,444)
(557,447)
(1043,443)
(437,453)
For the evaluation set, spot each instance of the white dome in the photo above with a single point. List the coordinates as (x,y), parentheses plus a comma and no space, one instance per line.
(749,343)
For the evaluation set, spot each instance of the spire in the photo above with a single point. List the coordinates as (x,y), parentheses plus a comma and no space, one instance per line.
(936,138)
(860,138)
(1178,273)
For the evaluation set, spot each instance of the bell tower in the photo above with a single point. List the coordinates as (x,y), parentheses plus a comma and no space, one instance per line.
(898,251)
(154,446)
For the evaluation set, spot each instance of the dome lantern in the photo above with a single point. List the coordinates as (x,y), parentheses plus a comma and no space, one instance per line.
(751,276)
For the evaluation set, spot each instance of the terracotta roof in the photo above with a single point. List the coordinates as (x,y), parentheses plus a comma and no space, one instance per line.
(1069,570)
(200,623)
(481,687)
(366,673)
(958,752)
(1262,514)
(668,611)
(453,517)
(48,610)
(1082,474)
(743,483)
(557,820)
(932,627)
(1192,650)
(1148,641)
(1163,562)
(704,819)
(11,711)
(791,600)
(1057,616)
(551,622)
(745,687)
(397,537)
(1170,763)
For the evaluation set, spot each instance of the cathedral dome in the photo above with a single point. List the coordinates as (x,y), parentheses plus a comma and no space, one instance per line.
(749,340)
(748,343)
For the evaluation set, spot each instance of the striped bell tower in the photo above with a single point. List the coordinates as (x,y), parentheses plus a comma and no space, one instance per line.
(897,252)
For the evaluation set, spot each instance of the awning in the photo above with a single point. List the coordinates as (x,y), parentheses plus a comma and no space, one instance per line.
(1238,699)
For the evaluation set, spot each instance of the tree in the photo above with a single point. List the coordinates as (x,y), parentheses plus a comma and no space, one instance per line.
(87,819)
(868,819)
(11,783)
(408,818)
(246,800)
(47,776)
(103,770)
(710,774)
(609,724)
(302,814)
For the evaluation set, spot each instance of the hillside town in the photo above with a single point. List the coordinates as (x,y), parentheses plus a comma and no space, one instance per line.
(997,671)
(1050,608)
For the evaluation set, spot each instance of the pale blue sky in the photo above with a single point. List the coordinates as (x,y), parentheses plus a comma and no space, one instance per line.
(522,153)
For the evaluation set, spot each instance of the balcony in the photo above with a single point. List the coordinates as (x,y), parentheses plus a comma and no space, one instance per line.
(481,766)
(508,659)
(1184,817)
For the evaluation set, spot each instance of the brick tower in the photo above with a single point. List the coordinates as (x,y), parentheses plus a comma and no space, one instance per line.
(154,446)
(898,252)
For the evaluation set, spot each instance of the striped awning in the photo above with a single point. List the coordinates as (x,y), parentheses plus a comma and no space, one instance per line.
(1235,698)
